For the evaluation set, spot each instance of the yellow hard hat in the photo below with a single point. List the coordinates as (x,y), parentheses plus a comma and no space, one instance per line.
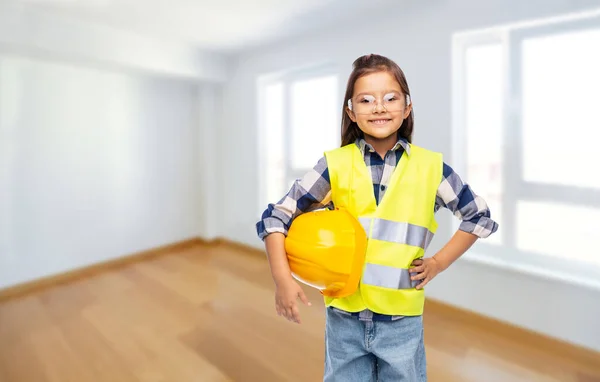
(326,250)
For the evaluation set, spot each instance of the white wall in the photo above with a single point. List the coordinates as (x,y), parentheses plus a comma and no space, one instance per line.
(95,164)
(418,37)
(209,115)
(24,30)
(104,136)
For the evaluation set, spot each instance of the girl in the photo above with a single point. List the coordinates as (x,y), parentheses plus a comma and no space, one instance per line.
(377,333)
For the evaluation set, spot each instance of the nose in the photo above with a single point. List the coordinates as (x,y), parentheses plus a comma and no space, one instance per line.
(379,108)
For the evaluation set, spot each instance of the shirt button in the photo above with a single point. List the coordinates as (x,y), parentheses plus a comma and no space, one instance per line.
(382,188)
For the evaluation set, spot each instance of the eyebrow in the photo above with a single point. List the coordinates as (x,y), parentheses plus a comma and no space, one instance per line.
(385,92)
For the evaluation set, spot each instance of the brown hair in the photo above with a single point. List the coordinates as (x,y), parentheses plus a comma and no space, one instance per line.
(367,64)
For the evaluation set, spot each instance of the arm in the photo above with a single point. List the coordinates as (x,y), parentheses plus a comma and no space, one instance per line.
(278,262)
(476,223)
(460,242)
(311,192)
(458,197)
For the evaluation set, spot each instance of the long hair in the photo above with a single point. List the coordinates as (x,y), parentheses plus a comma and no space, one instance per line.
(367,64)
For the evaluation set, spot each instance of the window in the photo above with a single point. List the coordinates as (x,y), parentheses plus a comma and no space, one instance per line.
(298,119)
(484,108)
(526,129)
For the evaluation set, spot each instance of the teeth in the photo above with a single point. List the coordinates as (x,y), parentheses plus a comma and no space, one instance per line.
(380,121)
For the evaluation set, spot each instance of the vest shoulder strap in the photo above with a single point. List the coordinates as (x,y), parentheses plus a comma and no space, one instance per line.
(339,157)
(424,154)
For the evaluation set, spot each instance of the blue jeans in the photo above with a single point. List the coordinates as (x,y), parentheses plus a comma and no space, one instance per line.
(373,350)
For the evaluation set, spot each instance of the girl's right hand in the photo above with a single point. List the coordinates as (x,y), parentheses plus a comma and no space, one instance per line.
(286,294)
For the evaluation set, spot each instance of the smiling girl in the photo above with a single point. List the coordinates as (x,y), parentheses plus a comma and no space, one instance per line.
(395,188)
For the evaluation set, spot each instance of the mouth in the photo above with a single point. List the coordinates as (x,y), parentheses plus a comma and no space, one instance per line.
(380,121)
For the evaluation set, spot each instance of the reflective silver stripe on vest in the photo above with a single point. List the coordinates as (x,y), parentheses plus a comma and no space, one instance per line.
(387,277)
(365,222)
(397,232)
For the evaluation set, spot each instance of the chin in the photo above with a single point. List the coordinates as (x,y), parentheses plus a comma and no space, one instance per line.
(381,134)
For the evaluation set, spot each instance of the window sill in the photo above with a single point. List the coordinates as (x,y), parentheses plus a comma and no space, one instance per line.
(578,274)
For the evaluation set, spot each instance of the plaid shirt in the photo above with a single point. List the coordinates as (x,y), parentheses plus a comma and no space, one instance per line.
(313,192)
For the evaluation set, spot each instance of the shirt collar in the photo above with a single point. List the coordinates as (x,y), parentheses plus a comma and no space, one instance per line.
(401,144)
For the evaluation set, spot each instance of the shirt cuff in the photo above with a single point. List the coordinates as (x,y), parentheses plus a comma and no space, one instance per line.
(271,225)
(481,227)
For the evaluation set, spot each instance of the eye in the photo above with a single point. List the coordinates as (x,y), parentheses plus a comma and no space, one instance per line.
(390,98)
(367,99)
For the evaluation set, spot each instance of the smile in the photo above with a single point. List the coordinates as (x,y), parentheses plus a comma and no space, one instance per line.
(380,121)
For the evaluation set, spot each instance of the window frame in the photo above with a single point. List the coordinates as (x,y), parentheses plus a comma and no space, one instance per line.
(287,78)
(515,188)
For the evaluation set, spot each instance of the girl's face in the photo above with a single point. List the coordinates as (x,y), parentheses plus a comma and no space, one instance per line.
(378,106)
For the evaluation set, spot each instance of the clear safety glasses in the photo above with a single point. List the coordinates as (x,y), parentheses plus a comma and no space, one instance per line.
(367,104)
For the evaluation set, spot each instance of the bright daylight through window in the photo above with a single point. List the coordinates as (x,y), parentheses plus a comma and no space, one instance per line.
(298,121)
(525,112)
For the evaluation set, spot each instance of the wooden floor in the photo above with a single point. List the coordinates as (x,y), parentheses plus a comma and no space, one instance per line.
(206,314)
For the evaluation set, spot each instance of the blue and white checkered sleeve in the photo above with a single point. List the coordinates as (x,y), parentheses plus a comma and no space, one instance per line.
(469,207)
(311,192)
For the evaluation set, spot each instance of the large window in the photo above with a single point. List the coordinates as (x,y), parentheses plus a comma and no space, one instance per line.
(298,119)
(526,128)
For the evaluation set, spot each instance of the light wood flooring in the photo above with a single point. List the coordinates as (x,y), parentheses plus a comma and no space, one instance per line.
(206,313)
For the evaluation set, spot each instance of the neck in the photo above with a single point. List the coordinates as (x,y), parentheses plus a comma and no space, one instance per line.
(382,145)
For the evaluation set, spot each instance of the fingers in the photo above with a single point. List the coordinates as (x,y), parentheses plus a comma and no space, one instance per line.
(419,272)
(292,313)
(425,273)
(289,311)
(304,299)
(285,312)
(295,314)
(418,265)
(286,304)
(281,309)
(418,269)
(421,285)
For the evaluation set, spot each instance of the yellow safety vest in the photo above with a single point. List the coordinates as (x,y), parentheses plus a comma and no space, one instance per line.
(399,229)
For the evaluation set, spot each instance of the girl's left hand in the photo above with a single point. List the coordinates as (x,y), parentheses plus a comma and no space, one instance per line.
(426,270)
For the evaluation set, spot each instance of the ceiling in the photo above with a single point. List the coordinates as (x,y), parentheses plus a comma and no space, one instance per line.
(223,25)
